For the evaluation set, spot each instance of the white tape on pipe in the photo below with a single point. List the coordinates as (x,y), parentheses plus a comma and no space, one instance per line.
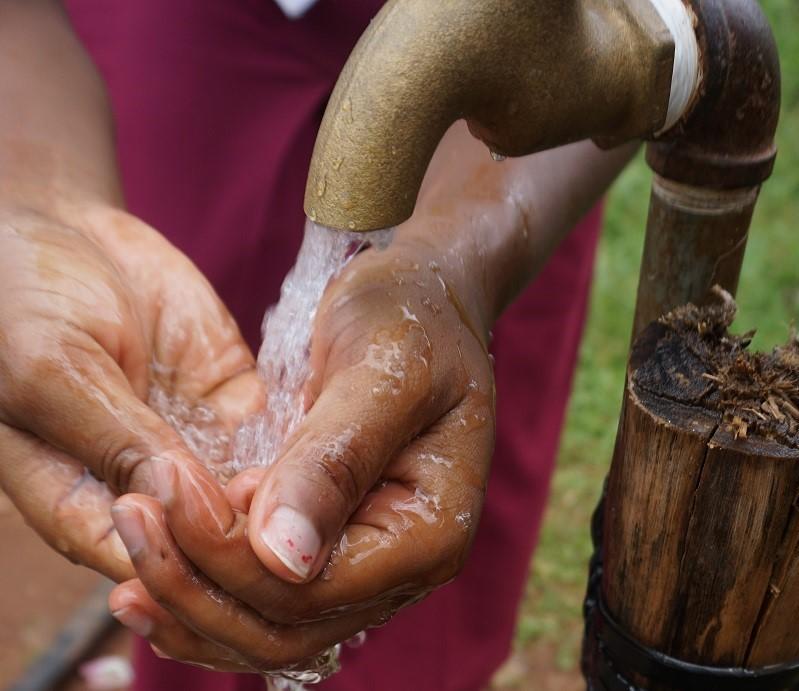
(686,74)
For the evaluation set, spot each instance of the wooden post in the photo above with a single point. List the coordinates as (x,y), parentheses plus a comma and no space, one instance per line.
(701,523)
(700,527)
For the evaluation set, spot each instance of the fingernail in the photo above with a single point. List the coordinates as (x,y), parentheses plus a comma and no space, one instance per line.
(133,619)
(163,476)
(293,539)
(130,526)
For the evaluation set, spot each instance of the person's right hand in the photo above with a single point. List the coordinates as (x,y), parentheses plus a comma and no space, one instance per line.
(95,310)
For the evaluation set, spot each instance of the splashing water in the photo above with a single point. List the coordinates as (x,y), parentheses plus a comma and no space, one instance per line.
(283,361)
(284,358)
(284,367)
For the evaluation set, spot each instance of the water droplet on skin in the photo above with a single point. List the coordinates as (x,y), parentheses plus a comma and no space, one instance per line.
(432,306)
(464,520)
(408,315)
(422,505)
(438,460)
(399,279)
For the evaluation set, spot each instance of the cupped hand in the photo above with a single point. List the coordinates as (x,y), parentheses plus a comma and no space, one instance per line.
(373,502)
(97,312)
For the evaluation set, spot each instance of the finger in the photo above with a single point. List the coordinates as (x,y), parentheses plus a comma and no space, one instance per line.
(214,539)
(76,397)
(364,415)
(63,503)
(172,640)
(135,609)
(408,536)
(242,488)
(433,498)
(413,531)
(212,613)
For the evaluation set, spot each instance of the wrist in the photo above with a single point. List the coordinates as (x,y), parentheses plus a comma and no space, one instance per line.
(488,240)
(38,177)
(454,247)
(59,212)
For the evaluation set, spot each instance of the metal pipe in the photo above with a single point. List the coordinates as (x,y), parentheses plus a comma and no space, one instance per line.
(710,166)
(527,75)
(695,239)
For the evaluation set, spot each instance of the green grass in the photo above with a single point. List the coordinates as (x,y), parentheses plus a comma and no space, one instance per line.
(768,300)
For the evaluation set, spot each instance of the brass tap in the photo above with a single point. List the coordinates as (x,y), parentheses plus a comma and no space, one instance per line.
(527,75)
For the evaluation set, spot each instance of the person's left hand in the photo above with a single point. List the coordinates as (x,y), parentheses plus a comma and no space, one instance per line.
(374,501)
(103,325)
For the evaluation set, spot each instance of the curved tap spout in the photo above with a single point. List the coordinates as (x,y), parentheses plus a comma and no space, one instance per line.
(527,75)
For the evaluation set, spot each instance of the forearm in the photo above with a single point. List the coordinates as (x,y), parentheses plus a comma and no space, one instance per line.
(498,223)
(56,132)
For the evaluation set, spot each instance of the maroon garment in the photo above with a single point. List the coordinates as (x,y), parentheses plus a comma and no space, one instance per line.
(217,103)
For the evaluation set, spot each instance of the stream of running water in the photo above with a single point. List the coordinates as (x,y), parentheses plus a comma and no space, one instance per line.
(284,368)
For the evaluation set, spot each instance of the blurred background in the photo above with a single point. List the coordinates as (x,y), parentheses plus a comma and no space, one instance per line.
(39,591)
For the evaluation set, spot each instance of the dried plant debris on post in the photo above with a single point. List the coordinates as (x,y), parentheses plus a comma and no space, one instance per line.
(699,362)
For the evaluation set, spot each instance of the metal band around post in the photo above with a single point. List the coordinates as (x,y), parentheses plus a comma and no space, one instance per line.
(611,656)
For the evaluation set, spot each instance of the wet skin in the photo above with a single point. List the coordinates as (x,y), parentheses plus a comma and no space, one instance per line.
(89,306)
(97,307)
(390,464)
(403,394)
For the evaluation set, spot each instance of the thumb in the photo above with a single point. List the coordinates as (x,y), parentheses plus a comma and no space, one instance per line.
(80,402)
(63,503)
(336,456)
